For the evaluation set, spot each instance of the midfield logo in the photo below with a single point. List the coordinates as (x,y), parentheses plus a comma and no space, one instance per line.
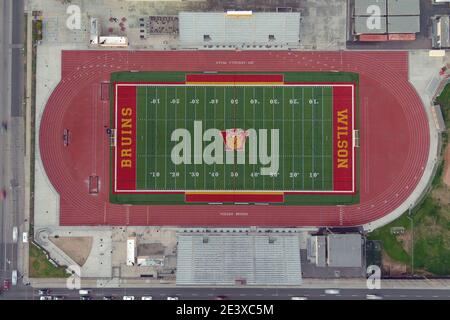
(227,147)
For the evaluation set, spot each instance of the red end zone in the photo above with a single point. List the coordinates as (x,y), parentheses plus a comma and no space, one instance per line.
(343,149)
(125,122)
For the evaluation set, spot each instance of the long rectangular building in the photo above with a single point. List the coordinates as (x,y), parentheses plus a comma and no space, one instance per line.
(228,259)
(260,28)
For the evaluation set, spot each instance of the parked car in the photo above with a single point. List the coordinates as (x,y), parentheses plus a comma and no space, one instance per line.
(108,298)
(172,298)
(15,234)
(45,298)
(147,298)
(25,237)
(83,292)
(221,297)
(85,298)
(14,278)
(128,297)
(332,291)
(373,297)
(299,298)
(6,284)
(43,291)
(2,194)
(58,298)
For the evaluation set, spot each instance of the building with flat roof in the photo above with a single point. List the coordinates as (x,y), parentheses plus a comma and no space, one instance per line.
(228,259)
(441,31)
(344,250)
(403,7)
(220,28)
(363,26)
(366,7)
(403,24)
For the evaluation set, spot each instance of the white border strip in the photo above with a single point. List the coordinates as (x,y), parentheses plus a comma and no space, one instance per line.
(117,85)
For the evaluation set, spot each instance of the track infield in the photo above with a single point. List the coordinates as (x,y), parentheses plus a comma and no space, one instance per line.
(288,138)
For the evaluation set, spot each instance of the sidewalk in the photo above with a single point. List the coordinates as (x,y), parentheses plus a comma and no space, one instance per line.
(441,284)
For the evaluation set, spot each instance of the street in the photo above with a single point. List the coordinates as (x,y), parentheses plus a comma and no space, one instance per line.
(12,133)
(28,293)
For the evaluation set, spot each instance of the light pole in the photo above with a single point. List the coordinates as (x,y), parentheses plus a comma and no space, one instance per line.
(412,238)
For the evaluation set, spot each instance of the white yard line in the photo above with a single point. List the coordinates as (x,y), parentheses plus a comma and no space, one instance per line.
(185,125)
(312,130)
(145,138)
(175,126)
(303,138)
(245,143)
(292,140)
(165,147)
(323,168)
(156,140)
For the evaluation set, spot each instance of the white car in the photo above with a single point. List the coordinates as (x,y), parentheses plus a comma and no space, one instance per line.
(373,297)
(332,291)
(83,292)
(128,297)
(172,298)
(25,237)
(15,233)
(45,298)
(14,278)
(147,298)
(299,298)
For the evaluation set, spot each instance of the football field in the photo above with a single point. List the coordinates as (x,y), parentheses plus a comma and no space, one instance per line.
(253,136)
(301,114)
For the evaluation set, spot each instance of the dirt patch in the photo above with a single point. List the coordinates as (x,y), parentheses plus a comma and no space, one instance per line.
(442,195)
(446,177)
(77,248)
(405,240)
(392,268)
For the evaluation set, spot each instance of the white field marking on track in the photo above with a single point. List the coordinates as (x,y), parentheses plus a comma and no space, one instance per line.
(176,123)
(254,126)
(244,178)
(146,136)
(156,133)
(214,106)
(224,124)
(312,131)
(323,164)
(185,125)
(263,121)
(204,166)
(303,139)
(165,147)
(195,155)
(292,140)
(273,126)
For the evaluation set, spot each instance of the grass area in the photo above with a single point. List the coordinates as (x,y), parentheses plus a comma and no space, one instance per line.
(41,267)
(391,245)
(431,221)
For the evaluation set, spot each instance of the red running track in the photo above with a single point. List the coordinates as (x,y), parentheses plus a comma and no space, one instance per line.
(394,137)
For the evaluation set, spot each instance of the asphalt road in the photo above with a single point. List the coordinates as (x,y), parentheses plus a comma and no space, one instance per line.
(12,137)
(27,293)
